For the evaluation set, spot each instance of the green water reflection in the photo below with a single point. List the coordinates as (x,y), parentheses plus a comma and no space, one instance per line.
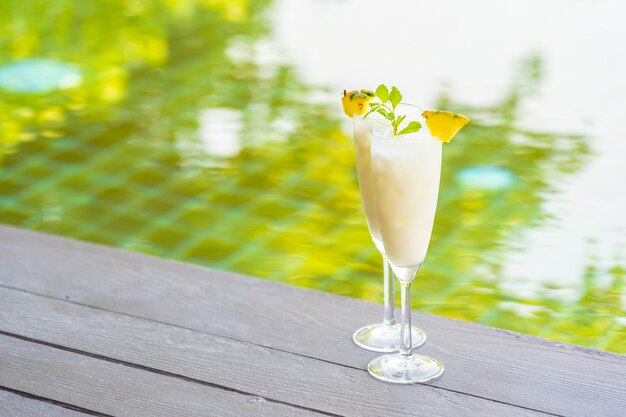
(175,140)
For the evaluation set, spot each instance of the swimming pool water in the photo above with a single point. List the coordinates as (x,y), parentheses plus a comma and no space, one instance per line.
(178,140)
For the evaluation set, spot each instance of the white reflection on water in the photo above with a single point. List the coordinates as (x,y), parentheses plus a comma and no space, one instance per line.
(217,137)
(472,48)
(219,131)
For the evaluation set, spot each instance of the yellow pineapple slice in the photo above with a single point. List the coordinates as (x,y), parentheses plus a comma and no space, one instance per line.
(356,102)
(444,124)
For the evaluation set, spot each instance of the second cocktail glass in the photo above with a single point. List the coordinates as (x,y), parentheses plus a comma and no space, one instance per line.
(385,336)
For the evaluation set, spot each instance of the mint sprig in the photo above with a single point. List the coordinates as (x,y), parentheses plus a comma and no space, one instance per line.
(389,100)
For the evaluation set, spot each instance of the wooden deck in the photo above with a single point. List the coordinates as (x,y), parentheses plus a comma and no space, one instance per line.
(91,330)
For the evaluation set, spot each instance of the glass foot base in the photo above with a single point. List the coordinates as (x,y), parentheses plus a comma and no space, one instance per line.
(405,369)
(384,338)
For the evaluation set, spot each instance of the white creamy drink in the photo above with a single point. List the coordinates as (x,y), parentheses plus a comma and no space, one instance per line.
(362,128)
(406,171)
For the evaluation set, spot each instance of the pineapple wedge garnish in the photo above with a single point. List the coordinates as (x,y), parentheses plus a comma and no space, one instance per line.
(444,124)
(356,102)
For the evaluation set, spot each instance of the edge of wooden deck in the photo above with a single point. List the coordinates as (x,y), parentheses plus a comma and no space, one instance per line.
(524,371)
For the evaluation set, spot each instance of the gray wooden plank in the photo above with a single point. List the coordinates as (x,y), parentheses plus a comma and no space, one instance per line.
(485,362)
(13,405)
(119,390)
(238,365)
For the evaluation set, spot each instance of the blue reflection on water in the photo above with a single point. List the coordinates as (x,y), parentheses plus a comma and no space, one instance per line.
(486,177)
(38,76)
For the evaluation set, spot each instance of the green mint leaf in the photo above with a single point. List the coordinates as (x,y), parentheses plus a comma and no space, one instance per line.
(396,123)
(382,93)
(383,111)
(370,111)
(395,97)
(373,107)
(412,127)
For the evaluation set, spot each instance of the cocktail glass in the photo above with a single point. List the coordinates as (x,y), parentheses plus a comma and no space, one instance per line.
(405,173)
(384,336)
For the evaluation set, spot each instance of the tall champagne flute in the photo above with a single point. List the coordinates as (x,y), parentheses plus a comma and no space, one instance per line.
(405,174)
(384,336)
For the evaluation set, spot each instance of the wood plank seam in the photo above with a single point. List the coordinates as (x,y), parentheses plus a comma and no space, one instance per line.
(162,372)
(54,402)
(118,390)
(164,323)
(194,380)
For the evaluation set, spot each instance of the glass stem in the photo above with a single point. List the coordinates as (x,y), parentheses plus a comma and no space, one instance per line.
(389,318)
(405,329)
